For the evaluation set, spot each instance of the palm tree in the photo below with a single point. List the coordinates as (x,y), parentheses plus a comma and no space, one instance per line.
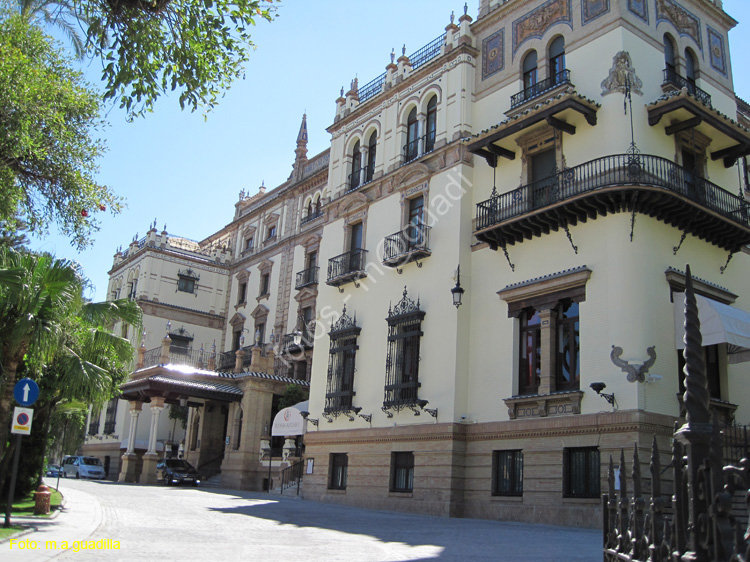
(60,14)
(47,327)
(36,293)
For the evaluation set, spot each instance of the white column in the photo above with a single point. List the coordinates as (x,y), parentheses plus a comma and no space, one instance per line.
(155,412)
(420,134)
(363,165)
(135,410)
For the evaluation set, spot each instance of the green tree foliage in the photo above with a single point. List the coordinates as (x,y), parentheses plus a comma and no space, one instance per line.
(13,234)
(48,154)
(60,15)
(148,47)
(179,413)
(51,334)
(294,394)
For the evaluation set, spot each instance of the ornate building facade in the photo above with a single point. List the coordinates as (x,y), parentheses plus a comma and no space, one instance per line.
(477,280)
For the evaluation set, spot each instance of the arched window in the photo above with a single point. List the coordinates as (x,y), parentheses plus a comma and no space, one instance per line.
(669,56)
(309,208)
(356,167)
(318,207)
(371,148)
(690,67)
(529,73)
(557,59)
(429,142)
(412,138)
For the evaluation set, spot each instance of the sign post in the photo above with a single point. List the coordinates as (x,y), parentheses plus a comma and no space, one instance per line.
(25,392)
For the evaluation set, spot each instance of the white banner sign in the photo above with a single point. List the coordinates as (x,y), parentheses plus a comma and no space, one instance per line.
(288,421)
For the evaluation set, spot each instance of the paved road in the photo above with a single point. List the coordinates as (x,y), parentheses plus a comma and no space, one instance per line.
(160,523)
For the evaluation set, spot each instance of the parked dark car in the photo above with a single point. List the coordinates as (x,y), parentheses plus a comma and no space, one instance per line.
(52,470)
(177,471)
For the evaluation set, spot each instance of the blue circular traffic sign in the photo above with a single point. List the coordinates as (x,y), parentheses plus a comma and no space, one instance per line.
(26,392)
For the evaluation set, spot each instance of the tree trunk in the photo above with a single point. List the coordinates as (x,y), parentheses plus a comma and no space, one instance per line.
(46,415)
(6,405)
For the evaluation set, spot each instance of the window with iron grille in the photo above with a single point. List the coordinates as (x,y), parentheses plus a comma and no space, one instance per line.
(341,360)
(507,473)
(338,467)
(581,472)
(110,417)
(94,422)
(402,472)
(402,361)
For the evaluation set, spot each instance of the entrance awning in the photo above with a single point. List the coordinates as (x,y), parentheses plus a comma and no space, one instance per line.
(720,323)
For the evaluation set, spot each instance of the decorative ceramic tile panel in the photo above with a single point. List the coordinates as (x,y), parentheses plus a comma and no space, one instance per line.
(716,50)
(592,9)
(639,8)
(540,19)
(683,21)
(493,54)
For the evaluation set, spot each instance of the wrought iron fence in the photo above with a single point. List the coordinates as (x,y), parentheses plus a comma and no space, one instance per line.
(411,150)
(414,237)
(291,476)
(372,88)
(699,524)
(307,277)
(541,87)
(151,357)
(671,77)
(226,361)
(346,263)
(427,53)
(619,169)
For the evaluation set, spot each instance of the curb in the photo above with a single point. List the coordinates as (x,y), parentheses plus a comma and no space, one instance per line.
(19,534)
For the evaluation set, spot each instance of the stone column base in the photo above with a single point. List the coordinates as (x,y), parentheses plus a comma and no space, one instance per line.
(148,474)
(128,467)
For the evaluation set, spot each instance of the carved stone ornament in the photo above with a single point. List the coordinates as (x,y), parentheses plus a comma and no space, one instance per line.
(622,73)
(635,372)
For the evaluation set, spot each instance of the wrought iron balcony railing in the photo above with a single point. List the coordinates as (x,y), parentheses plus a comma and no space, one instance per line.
(307,277)
(109,427)
(621,170)
(347,267)
(541,87)
(401,394)
(311,217)
(671,77)
(307,341)
(410,244)
(338,402)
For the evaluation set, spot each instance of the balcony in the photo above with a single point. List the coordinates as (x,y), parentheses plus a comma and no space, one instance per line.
(408,245)
(540,88)
(109,427)
(347,268)
(645,184)
(339,402)
(307,341)
(311,217)
(671,78)
(306,277)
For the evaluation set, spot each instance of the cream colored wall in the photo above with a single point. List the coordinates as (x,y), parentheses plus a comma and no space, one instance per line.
(442,378)
(627,304)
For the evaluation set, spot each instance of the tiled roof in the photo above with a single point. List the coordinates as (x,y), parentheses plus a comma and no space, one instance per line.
(540,105)
(198,385)
(546,277)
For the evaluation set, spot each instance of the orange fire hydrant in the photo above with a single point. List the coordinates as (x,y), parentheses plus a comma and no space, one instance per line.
(41,500)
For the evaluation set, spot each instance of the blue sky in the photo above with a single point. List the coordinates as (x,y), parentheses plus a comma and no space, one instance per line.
(186,172)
